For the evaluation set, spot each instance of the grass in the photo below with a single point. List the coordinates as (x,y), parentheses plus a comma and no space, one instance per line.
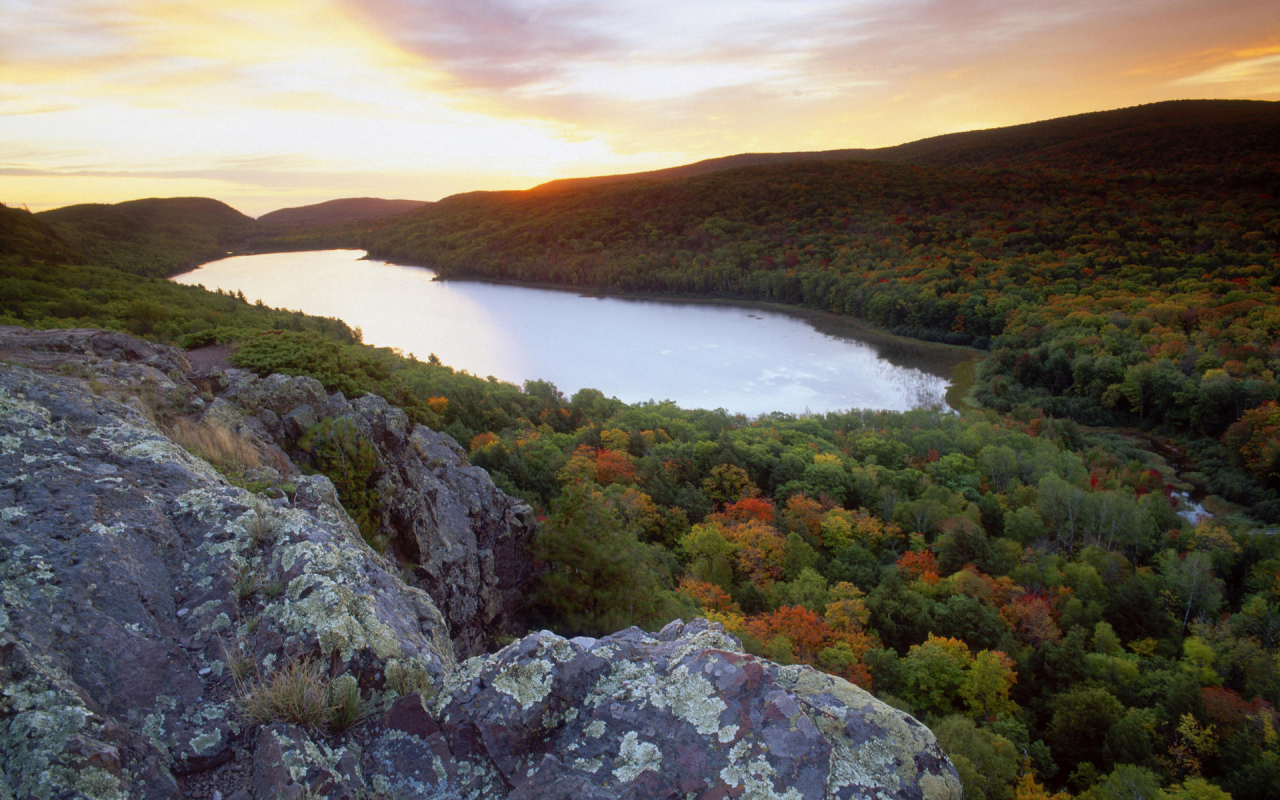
(247,585)
(298,692)
(346,707)
(224,449)
(301,693)
(239,662)
(405,679)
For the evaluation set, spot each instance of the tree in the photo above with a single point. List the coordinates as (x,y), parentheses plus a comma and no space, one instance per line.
(986,685)
(761,551)
(1063,506)
(1128,782)
(1253,441)
(711,555)
(728,483)
(1190,578)
(1080,723)
(935,671)
(987,762)
(601,578)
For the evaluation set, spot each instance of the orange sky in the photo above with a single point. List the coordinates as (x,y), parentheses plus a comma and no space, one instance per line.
(267,104)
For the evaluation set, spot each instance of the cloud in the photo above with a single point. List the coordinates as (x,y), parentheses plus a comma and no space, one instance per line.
(1257,75)
(497,44)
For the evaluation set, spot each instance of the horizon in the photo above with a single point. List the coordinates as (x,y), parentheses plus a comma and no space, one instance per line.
(422,99)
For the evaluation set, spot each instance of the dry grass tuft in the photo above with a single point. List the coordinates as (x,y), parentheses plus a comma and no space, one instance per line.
(225,450)
(346,706)
(405,679)
(298,692)
(239,662)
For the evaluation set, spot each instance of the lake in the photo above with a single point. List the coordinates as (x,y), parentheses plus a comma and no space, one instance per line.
(743,359)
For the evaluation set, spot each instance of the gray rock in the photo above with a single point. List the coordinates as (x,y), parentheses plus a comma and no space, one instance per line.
(682,714)
(107,530)
(467,540)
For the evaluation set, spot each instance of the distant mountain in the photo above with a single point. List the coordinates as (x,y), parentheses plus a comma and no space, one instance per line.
(155,237)
(351,209)
(22,234)
(1175,136)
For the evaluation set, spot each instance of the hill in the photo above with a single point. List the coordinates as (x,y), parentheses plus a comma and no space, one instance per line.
(333,212)
(1178,135)
(153,237)
(23,235)
(1113,263)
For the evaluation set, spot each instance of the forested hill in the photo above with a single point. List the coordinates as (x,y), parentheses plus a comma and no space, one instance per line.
(349,209)
(1143,292)
(25,236)
(153,237)
(1179,135)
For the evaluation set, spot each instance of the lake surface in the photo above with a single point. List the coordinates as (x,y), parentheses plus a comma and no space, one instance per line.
(742,359)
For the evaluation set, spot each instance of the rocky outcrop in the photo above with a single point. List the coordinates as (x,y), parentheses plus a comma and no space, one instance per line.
(466,539)
(147,605)
(134,578)
(681,714)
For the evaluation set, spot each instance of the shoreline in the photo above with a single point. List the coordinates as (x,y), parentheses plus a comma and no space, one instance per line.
(957,364)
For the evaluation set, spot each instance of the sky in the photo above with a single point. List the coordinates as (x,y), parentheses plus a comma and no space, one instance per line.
(267,104)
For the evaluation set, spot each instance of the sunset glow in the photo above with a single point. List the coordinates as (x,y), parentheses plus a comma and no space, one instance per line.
(268,104)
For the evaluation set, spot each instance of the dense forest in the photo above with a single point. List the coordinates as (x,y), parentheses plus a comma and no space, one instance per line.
(1120,268)
(1018,576)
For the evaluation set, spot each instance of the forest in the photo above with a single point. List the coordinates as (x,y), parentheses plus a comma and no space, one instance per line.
(1126,276)
(1017,576)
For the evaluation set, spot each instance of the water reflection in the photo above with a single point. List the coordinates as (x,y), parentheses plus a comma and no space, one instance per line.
(745,360)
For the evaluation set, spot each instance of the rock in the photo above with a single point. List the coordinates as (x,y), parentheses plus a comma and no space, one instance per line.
(107,531)
(467,539)
(682,714)
(142,597)
(88,347)
(289,762)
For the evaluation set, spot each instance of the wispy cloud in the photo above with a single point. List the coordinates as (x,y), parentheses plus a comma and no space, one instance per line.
(1257,74)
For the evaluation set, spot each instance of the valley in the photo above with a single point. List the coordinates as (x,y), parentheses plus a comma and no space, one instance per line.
(1015,573)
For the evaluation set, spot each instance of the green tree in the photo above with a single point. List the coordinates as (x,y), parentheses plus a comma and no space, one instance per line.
(987,762)
(1190,579)
(600,577)
(1081,720)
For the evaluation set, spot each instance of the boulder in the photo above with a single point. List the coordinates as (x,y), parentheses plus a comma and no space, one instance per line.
(681,714)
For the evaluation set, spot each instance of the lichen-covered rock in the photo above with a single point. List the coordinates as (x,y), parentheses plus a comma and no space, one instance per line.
(682,714)
(132,575)
(467,539)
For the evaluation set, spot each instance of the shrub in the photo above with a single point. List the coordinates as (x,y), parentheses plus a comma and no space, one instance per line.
(339,451)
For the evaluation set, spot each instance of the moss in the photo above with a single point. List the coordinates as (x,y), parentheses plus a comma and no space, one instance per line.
(323,601)
(689,697)
(749,768)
